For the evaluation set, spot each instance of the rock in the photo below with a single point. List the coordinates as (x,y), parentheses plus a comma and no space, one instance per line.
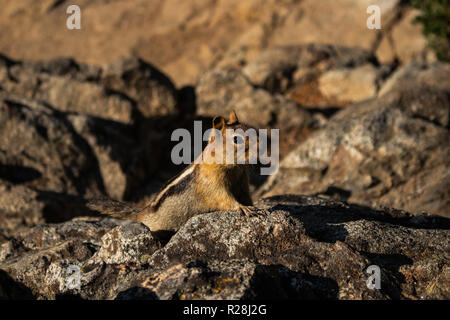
(233,279)
(123,91)
(50,160)
(221,90)
(52,249)
(12,290)
(131,243)
(390,151)
(22,208)
(59,67)
(329,240)
(187,39)
(337,24)
(317,75)
(125,162)
(304,248)
(274,67)
(62,84)
(279,68)
(407,45)
(349,85)
(46,236)
(40,149)
(403,40)
(246,48)
(434,75)
(89,98)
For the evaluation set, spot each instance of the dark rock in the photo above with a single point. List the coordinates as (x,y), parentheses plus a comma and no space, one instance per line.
(153,92)
(222,90)
(39,148)
(391,151)
(41,257)
(49,160)
(22,207)
(304,248)
(321,238)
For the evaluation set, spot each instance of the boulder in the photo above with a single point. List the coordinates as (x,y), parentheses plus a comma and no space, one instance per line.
(303,248)
(152,91)
(126,162)
(350,84)
(124,91)
(406,41)
(318,76)
(24,207)
(279,68)
(433,75)
(390,151)
(39,148)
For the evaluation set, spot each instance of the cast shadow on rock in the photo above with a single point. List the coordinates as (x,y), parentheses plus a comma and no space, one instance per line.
(60,207)
(11,289)
(391,277)
(137,293)
(18,174)
(280,282)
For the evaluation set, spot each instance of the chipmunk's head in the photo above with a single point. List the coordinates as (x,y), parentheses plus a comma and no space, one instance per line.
(232,143)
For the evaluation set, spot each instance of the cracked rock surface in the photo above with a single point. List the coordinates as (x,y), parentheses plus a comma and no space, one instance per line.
(304,247)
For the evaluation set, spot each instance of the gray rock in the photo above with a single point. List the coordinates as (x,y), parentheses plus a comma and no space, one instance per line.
(67,86)
(131,243)
(233,279)
(304,248)
(22,208)
(350,84)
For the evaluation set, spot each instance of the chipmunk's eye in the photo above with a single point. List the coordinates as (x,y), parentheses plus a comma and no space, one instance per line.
(238,140)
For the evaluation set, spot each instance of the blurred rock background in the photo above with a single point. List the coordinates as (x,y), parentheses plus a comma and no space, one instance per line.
(184,39)
(363,115)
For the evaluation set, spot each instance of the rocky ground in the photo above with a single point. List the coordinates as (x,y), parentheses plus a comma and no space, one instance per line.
(364,176)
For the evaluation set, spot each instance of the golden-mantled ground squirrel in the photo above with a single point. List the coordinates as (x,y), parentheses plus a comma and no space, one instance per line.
(204,186)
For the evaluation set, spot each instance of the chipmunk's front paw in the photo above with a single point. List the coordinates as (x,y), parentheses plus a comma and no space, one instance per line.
(252,211)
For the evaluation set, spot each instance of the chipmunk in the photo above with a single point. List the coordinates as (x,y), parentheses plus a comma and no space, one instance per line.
(205,186)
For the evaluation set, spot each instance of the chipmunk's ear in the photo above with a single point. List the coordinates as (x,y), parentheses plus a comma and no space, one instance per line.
(233,118)
(218,123)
